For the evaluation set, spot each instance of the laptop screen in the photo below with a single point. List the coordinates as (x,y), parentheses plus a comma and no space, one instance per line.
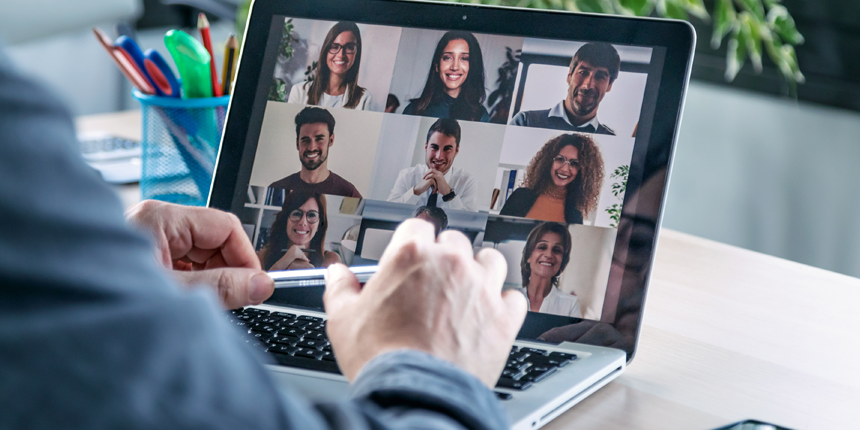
(523,144)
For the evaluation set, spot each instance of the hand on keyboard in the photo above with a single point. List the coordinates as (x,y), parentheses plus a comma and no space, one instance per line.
(429,295)
(205,247)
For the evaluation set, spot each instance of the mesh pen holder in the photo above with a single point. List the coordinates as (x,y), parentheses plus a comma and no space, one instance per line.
(180,144)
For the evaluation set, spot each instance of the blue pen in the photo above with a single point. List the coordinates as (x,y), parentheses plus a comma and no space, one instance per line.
(155,69)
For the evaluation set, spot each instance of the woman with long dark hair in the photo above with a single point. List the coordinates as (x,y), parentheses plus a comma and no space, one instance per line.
(455,83)
(545,256)
(562,182)
(297,237)
(335,83)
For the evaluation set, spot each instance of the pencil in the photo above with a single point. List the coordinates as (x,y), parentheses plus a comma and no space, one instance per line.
(230,51)
(203,26)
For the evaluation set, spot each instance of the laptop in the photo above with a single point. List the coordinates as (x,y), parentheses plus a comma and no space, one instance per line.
(544,135)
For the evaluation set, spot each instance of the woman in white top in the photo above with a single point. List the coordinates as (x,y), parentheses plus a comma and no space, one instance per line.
(545,256)
(335,83)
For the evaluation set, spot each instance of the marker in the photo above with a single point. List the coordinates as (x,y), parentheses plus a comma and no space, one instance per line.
(231,51)
(192,61)
(203,26)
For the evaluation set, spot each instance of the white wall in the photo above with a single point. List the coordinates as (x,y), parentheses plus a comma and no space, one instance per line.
(522,143)
(378,43)
(394,153)
(355,137)
(415,54)
(770,175)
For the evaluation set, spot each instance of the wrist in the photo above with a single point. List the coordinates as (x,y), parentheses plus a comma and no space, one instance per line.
(449,196)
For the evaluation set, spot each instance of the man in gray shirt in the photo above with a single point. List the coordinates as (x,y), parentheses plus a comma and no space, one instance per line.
(593,70)
(96,333)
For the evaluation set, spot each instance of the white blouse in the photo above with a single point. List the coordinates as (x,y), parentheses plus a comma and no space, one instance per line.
(558,302)
(299,94)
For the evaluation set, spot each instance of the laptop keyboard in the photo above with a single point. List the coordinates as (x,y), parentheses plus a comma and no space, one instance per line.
(301,341)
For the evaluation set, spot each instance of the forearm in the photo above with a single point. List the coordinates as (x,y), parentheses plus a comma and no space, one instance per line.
(402,192)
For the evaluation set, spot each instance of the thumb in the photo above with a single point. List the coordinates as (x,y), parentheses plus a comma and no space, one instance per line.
(236,287)
(516,309)
(341,288)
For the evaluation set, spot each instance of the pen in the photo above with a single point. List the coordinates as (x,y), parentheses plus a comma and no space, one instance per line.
(203,26)
(125,64)
(192,61)
(231,50)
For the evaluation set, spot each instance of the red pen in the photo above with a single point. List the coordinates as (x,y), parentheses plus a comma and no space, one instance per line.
(125,64)
(203,25)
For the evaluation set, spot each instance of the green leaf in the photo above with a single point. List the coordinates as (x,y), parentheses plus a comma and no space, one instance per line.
(754,7)
(751,31)
(782,24)
(724,20)
(594,6)
(571,5)
(697,8)
(736,54)
(791,58)
(671,9)
(637,7)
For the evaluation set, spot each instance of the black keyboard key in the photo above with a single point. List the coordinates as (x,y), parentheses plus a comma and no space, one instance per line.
(503,396)
(256,311)
(512,384)
(313,344)
(294,323)
(306,352)
(283,349)
(310,318)
(562,356)
(517,367)
(520,356)
(534,351)
(266,328)
(297,332)
(315,326)
(327,355)
(284,315)
(316,334)
(286,340)
(537,376)
(306,363)
(261,336)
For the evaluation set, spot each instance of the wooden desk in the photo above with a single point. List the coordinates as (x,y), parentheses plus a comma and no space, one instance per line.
(728,334)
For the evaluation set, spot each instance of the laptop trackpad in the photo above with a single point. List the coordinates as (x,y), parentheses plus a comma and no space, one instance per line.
(323,387)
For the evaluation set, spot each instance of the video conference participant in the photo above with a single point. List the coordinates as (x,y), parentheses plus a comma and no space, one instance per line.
(433,215)
(562,182)
(545,256)
(335,83)
(437,182)
(297,237)
(593,70)
(391,104)
(314,137)
(455,82)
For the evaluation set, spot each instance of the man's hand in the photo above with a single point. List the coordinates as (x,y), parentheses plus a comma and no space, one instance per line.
(205,246)
(438,179)
(429,295)
(422,186)
(293,255)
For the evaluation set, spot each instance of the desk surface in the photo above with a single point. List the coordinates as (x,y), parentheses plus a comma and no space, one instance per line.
(728,334)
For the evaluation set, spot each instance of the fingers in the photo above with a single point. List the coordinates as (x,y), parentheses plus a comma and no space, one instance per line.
(457,241)
(495,266)
(236,287)
(341,288)
(516,308)
(212,229)
(412,230)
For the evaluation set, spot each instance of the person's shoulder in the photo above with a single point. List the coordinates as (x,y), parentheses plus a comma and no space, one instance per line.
(604,129)
(285,183)
(519,202)
(531,118)
(411,108)
(523,193)
(342,186)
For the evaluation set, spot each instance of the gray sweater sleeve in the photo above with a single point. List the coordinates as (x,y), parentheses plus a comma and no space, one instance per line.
(94,334)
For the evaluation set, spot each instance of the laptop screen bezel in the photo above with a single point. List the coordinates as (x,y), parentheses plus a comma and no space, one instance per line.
(245,112)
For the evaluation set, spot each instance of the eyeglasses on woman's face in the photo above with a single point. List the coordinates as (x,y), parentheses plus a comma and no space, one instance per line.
(312,216)
(348,48)
(560,159)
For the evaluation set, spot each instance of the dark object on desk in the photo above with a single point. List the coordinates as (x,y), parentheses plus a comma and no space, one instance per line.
(301,341)
(752,425)
(117,159)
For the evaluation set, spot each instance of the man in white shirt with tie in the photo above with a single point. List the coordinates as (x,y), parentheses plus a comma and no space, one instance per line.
(436,182)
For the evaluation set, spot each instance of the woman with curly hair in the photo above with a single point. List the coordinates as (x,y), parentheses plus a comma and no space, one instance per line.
(455,83)
(298,235)
(336,81)
(545,256)
(562,182)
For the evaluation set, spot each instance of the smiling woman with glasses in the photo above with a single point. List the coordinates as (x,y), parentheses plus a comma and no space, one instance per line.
(297,237)
(562,182)
(335,83)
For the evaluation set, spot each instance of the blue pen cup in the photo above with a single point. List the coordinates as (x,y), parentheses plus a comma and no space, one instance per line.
(180,145)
